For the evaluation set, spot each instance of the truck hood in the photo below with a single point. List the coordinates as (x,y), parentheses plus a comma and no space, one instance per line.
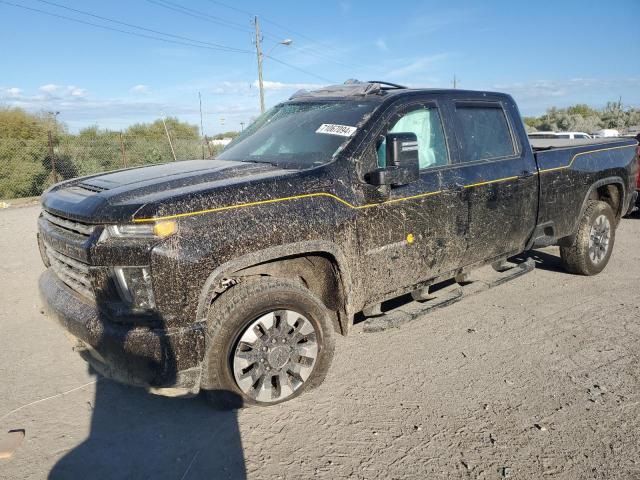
(117,196)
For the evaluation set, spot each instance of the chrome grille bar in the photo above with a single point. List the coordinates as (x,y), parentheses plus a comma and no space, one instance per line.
(73,273)
(77,227)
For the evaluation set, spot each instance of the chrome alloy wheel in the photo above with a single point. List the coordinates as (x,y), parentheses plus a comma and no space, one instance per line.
(599,238)
(275,355)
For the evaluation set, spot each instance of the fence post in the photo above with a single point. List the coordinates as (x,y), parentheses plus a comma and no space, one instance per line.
(52,157)
(124,157)
(206,139)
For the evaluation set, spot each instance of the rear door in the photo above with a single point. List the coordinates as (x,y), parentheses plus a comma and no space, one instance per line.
(498,176)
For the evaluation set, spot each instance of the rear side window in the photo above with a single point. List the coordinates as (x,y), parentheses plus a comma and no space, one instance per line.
(484,132)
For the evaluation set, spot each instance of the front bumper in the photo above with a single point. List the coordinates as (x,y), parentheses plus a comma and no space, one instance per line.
(155,358)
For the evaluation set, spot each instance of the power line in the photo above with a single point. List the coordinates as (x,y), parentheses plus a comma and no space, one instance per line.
(287,29)
(189,43)
(82,12)
(127,32)
(234,25)
(324,79)
(232,8)
(200,15)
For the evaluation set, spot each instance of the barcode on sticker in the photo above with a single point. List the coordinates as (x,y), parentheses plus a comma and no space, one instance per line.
(332,129)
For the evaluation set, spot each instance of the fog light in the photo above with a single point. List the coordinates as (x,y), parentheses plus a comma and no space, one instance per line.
(135,288)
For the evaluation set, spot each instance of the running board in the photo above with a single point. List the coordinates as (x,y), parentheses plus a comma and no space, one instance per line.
(413,310)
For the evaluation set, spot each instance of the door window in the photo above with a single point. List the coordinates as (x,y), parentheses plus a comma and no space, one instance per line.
(484,132)
(427,126)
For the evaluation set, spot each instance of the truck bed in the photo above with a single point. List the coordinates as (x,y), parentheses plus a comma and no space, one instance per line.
(538,144)
(569,169)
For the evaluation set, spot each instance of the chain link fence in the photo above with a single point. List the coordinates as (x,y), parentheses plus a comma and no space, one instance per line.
(28,167)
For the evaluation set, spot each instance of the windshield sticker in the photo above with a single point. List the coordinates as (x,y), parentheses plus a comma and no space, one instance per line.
(341,130)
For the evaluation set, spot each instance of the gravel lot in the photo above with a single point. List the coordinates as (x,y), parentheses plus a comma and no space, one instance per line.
(538,378)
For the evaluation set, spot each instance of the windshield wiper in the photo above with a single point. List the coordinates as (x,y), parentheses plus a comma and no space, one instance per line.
(275,164)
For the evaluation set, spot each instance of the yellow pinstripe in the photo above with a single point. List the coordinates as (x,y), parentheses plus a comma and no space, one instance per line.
(358,207)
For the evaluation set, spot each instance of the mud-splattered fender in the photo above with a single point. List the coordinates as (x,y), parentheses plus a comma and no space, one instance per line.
(211,285)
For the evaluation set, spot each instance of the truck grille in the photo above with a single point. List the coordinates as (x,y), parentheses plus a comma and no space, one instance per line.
(83,229)
(73,273)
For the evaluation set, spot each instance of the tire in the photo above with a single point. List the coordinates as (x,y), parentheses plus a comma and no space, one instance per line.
(587,255)
(279,359)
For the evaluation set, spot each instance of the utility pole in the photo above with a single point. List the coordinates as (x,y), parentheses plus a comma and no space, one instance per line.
(242,126)
(455,81)
(259,53)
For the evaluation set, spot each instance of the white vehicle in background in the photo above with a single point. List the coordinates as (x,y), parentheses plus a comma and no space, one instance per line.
(566,135)
(542,134)
(573,135)
(606,132)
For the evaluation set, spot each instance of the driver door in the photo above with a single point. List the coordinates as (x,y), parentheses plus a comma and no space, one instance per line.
(413,232)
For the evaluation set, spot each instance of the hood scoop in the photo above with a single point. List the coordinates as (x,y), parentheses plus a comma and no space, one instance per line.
(91,188)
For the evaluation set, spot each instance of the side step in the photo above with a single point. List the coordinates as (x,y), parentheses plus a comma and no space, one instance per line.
(448,296)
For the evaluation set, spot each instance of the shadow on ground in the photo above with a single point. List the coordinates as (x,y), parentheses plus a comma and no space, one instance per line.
(635,215)
(138,435)
(134,434)
(544,260)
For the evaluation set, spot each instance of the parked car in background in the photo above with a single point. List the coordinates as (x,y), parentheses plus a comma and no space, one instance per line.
(573,135)
(638,182)
(568,135)
(542,134)
(606,132)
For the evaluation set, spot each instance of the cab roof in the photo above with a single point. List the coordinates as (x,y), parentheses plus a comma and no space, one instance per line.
(372,90)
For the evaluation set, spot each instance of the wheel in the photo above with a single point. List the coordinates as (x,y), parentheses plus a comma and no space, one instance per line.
(267,342)
(593,243)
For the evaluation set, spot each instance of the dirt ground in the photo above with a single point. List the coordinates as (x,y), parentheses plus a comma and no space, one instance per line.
(537,378)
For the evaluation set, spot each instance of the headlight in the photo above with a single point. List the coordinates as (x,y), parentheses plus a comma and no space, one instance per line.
(135,288)
(140,230)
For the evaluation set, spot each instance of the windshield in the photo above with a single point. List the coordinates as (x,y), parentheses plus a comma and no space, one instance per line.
(299,135)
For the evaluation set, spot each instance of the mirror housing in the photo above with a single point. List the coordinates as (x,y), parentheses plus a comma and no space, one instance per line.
(403,164)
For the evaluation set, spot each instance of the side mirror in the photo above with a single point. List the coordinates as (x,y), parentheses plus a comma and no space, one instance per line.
(403,164)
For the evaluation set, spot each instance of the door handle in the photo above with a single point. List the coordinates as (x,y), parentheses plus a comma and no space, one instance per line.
(455,187)
(525,175)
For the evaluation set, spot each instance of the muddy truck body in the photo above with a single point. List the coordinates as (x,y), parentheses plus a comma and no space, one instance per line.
(234,275)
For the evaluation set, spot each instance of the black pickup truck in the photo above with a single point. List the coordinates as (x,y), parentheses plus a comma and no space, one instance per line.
(233,275)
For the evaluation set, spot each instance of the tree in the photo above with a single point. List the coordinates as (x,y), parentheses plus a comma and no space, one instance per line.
(582,118)
(155,130)
(230,134)
(17,124)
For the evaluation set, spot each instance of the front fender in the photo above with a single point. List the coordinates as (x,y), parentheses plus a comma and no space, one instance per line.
(210,289)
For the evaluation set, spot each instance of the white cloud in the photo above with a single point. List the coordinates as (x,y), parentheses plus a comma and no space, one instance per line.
(76,92)
(535,96)
(268,85)
(382,45)
(49,88)
(52,90)
(417,65)
(139,89)
(13,92)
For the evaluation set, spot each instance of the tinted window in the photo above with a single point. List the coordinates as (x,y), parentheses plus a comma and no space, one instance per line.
(564,135)
(484,132)
(426,124)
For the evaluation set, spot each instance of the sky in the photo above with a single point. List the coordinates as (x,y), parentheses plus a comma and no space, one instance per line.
(544,53)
